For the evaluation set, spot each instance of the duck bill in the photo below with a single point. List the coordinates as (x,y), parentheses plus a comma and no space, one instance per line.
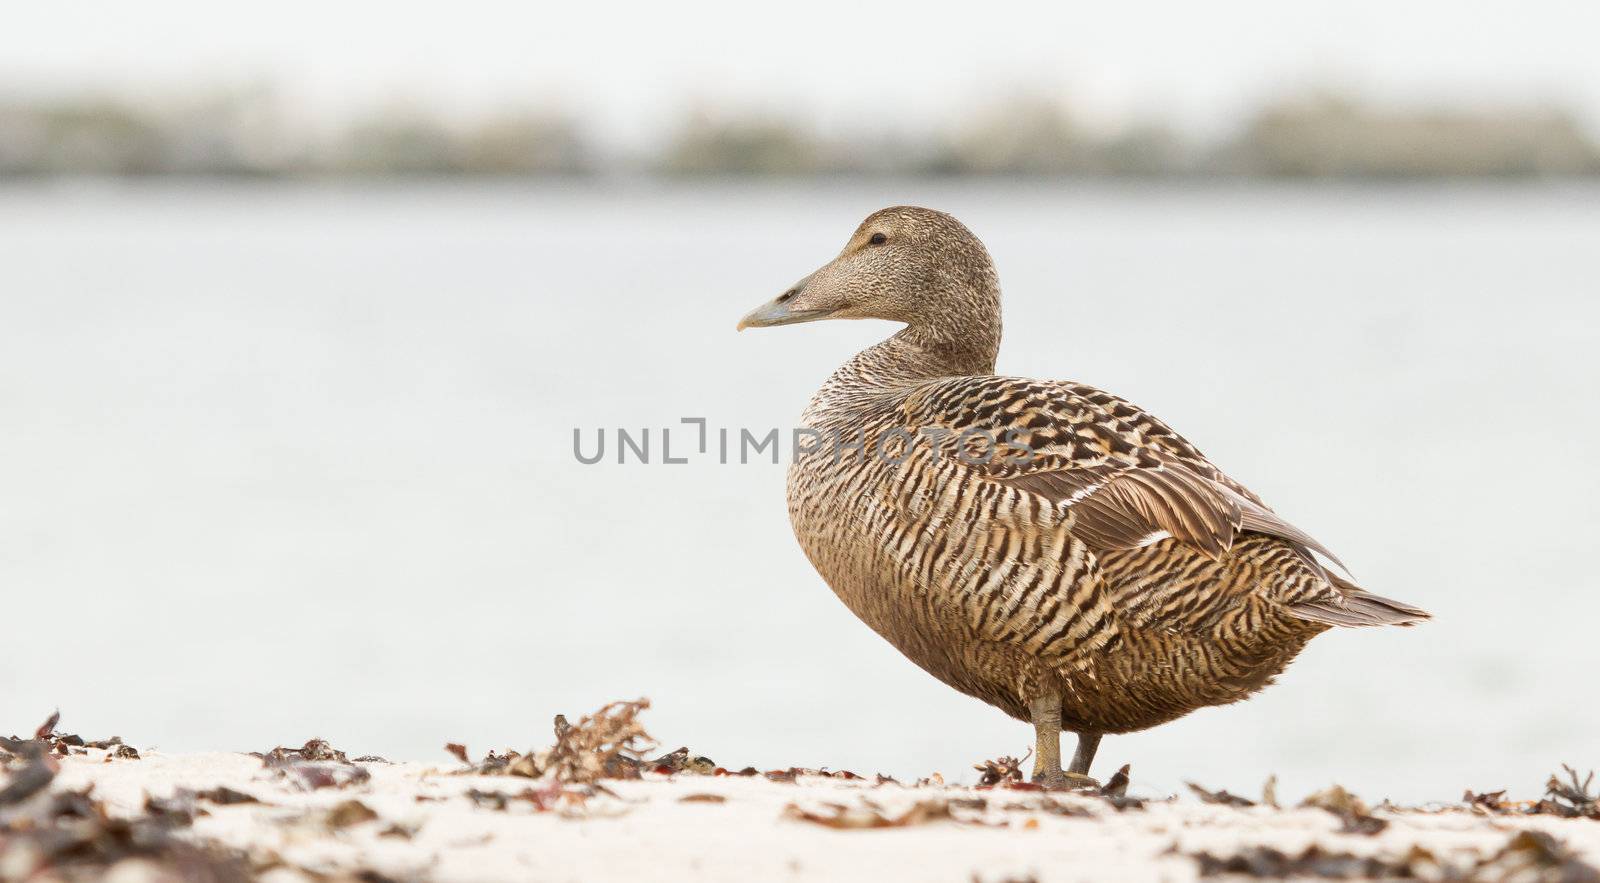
(781,310)
(772,314)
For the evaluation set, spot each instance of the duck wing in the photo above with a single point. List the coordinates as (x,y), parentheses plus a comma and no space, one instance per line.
(1126,477)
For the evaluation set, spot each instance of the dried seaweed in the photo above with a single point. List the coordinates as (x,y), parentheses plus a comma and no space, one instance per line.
(348,813)
(747,771)
(1568,798)
(1269,792)
(1572,798)
(35,768)
(1221,798)
(999,770)
(312,776)
(314,765)
(1315,862)
(1118,784)
(1531,856)
(1115,791)
(14,750)
(1490,802)
(1356,818)
(400,830)
(313,750)
(869,815)
(226,796)
(28,781)
(49,726)
(46,741)
(511,763)
(681,761)
(542,799)
(1536,856)
(69,836)
(607,744)
(185,803)
(611,743)
(791,775)
(1051,805)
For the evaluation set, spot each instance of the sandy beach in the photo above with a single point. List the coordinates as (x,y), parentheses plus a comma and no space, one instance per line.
(595,806)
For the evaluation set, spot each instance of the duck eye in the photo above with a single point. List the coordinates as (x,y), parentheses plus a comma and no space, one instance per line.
(878,239)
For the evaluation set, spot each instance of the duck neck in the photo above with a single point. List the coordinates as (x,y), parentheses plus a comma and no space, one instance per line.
(913,355)
(961,339)
(923,351)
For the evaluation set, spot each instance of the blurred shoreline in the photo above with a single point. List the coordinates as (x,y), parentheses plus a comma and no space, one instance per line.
(1580,191)
(1314,136)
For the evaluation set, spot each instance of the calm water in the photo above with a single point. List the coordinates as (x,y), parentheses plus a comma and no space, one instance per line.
(279,462)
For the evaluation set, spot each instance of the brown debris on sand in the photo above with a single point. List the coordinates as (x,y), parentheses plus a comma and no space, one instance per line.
(314,750)
(679,760)
(52,826)
(1536,856)
(348,813)
(611,743)
(314,765)
(1570,799)
(28,781)
(1001,769)
(1355,815)
(792,775)
(1221,798)
(1527,856)
(47,741)
(868,815)
(1492,802)
(49,726)
(1269,792)
(171,819)
(33,761)
(1115,790)
(608,744)
(70,836)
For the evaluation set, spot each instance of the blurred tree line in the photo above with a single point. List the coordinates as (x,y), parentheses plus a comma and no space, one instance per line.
(1315,136)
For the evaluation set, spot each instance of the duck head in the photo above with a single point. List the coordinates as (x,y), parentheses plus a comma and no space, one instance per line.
(904,264)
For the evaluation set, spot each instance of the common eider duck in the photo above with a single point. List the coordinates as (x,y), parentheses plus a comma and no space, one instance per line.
(1042,545)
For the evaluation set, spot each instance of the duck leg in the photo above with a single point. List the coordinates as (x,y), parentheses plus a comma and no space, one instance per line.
(1087,743)
(1046,714)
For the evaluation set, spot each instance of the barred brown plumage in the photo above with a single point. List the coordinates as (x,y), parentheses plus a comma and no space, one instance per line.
(1044,546)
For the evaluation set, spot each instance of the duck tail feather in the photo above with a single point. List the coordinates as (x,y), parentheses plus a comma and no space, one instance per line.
(1359,608)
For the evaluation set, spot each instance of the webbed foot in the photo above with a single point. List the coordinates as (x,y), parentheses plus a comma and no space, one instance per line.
(1061,780)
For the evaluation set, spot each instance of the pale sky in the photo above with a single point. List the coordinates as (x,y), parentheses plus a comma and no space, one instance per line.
(629,68)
